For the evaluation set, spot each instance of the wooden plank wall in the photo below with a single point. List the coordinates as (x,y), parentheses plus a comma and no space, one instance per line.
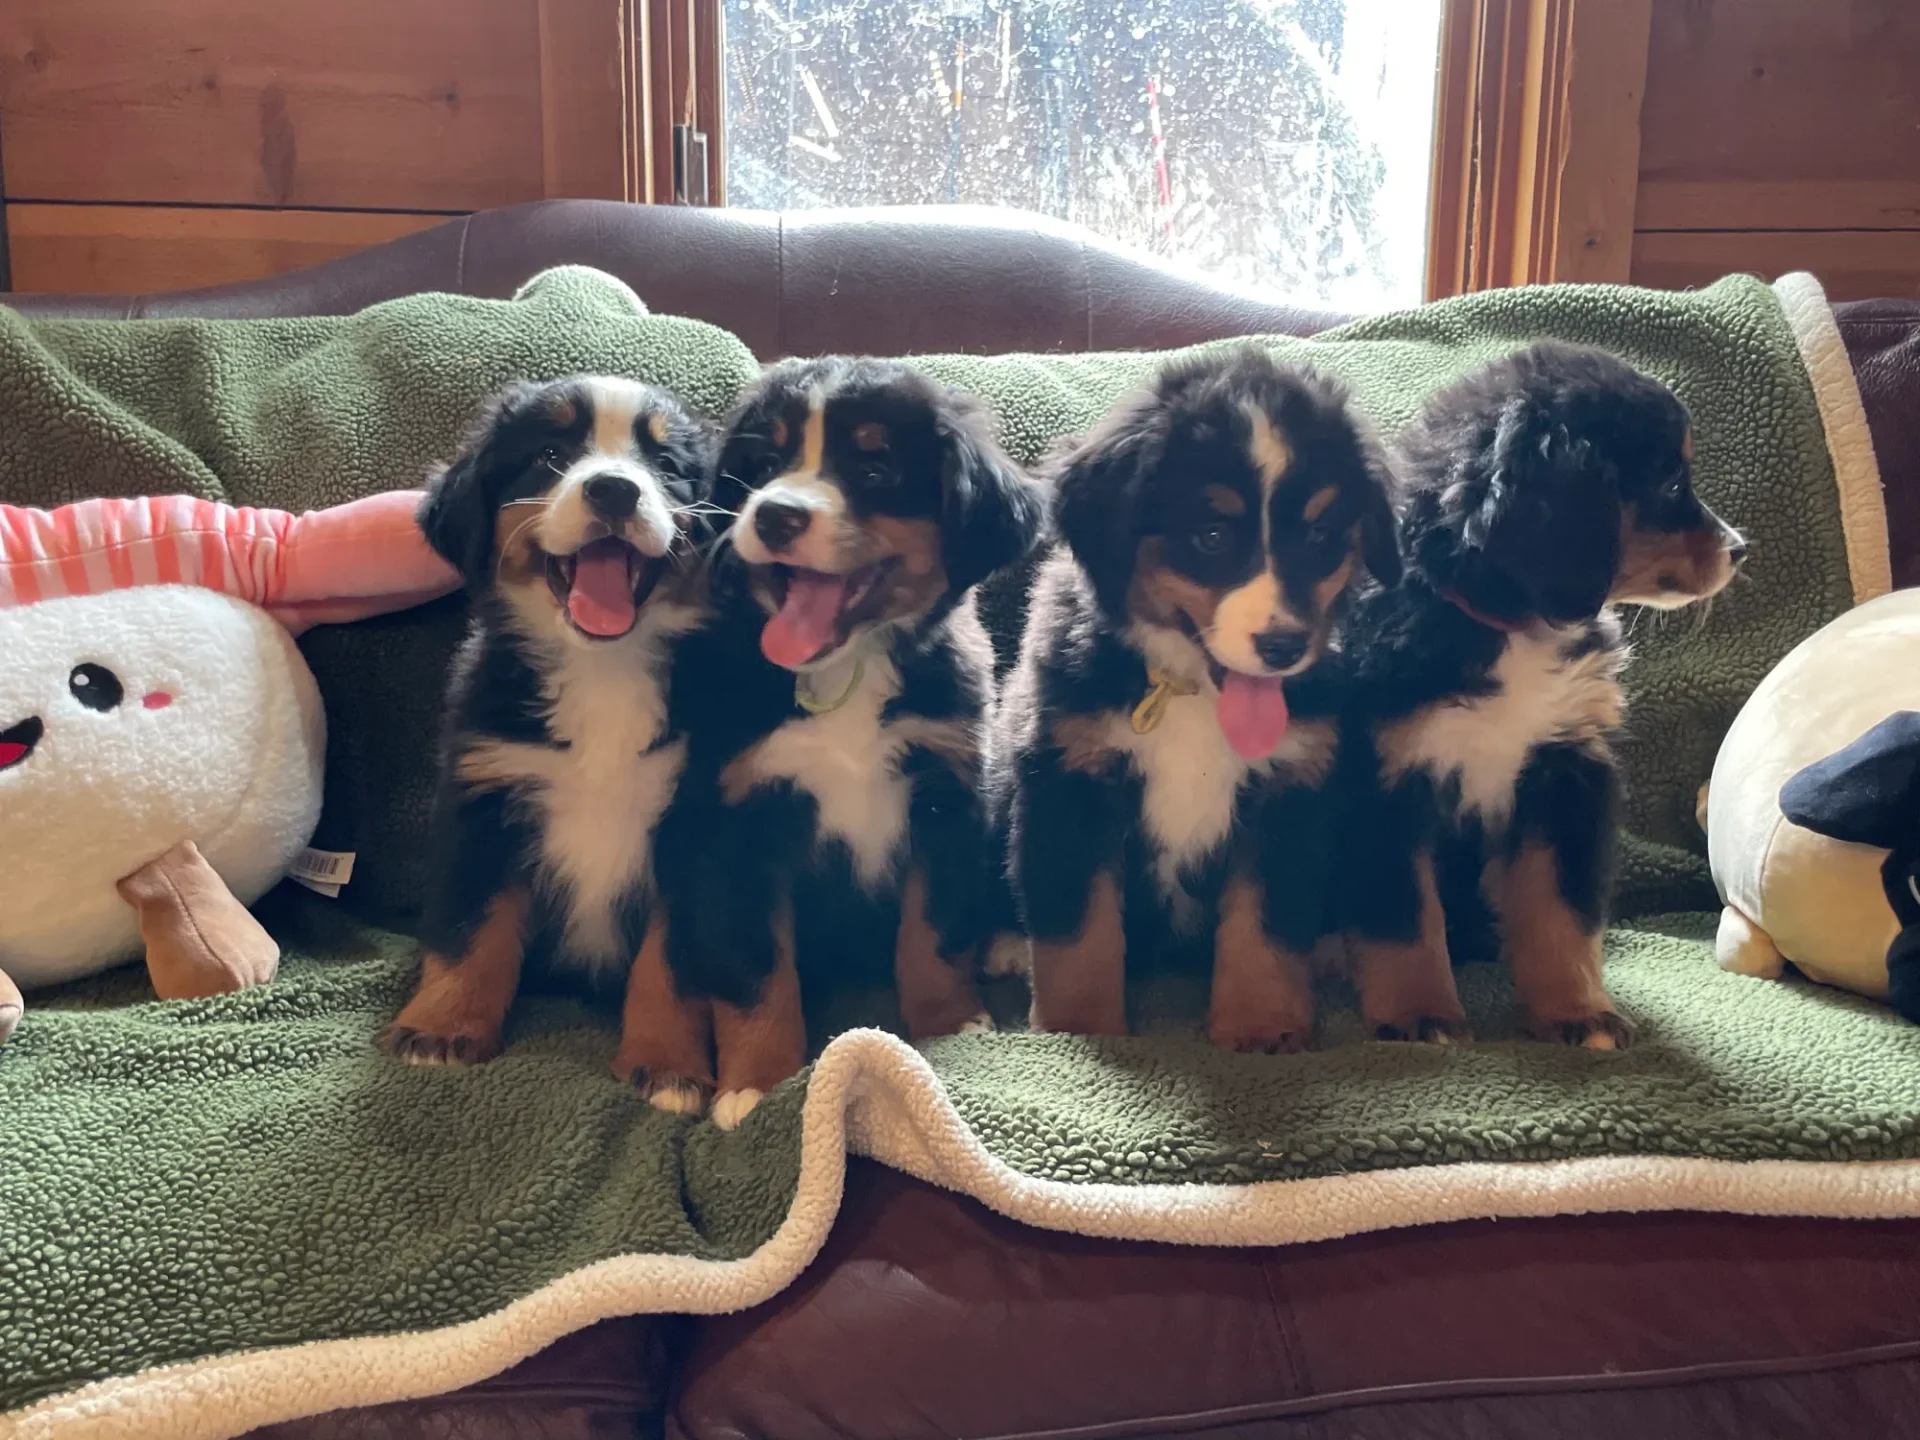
(1782,135)
(153,144)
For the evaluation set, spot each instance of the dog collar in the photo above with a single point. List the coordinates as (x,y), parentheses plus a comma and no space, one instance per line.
(1492,622)
(1153,706)
(809,700)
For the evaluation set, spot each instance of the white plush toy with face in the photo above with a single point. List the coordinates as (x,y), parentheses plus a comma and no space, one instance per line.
(130,722)
(161,740)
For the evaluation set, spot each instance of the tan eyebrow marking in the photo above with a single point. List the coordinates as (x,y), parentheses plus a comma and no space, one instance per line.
(1318,502)
(870,436)
(657,426)
(777,432)
(561,410)
(1686,446)
(1225,500)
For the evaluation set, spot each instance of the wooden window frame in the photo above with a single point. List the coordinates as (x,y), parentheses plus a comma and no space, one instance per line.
(1536,142)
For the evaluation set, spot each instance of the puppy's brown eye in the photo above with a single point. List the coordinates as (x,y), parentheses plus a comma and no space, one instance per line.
(1674,488)
(1320,534)
(549,456)
(1213,539)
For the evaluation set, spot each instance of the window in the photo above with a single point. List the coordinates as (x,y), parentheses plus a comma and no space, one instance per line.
(1283,144)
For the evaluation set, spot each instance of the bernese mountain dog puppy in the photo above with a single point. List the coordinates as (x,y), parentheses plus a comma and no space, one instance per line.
(829,826)
(1160,749)
(573,513)
(1542,490)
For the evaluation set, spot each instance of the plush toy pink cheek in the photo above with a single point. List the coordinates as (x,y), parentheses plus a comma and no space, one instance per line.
(156,700)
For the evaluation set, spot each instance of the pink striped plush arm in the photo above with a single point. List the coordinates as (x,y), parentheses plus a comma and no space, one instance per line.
(354,560)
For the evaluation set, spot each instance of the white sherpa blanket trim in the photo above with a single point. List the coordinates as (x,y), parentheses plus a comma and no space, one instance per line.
(872,1093)
(1863,507)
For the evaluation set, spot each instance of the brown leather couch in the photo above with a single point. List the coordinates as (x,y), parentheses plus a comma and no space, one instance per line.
(928,1316)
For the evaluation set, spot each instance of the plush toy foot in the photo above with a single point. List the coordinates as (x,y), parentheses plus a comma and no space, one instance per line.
(200,940)
(10,1006)
(1745,949)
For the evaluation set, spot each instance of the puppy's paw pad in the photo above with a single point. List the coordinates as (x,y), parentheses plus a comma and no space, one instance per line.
(730,1107)
(1009,954)
(981,1024)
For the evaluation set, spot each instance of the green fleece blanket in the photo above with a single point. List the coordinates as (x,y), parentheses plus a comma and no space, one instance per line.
(234,1211)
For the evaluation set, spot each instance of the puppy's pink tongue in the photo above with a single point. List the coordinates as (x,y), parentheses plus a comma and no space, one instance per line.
(601,598)
(1253,713)
(806,622)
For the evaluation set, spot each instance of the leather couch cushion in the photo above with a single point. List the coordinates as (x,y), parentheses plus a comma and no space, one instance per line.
(1883,340)
(927,1315)
(601,1383)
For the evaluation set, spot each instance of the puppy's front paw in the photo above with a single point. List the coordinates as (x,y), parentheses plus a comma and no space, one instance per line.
(730,1107)
(674,1094)
(1246,1035)
(1424,1029)
(428,1043)
(1606,1030)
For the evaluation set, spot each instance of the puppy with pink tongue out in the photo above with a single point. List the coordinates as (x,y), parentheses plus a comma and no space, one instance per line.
(1161,751)
(828,830)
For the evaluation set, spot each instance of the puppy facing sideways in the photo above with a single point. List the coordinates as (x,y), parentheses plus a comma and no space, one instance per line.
(829,821)
(570,514)
(1542,490)
(1159,751)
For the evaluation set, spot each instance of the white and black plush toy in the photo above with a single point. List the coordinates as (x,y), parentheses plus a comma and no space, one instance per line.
(1869,795)
(1813,813)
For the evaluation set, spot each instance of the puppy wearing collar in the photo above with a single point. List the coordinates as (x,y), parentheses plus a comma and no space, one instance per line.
(1160,751)
(829,821)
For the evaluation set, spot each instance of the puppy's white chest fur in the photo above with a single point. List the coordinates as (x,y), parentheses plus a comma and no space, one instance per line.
(1542,697)
(598,793)
(849,762)
(1191,778)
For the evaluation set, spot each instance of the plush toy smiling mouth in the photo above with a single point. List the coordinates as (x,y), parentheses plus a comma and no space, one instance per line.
(17,742)
(603,584)
(815,611)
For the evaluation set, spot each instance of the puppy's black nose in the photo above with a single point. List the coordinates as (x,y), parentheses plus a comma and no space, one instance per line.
(779,524)
(1280,649)
(612,497)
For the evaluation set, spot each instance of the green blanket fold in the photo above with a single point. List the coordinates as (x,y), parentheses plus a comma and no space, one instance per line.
(202,1184)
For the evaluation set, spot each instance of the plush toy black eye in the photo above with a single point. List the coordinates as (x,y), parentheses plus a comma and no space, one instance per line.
(95,687)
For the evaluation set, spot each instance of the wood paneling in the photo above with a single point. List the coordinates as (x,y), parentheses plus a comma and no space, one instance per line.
(124,249)
(1782,135)
(1763,91)
(364,104)
(1852,265)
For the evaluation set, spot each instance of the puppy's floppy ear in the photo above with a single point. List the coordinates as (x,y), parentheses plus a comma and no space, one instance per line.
(991,513)
(457,514)
(1543,536)
(1379,526)
(1097,496)
(457,520)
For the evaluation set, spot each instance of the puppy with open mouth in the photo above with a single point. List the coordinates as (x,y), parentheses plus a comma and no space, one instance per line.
(829,822)
(575,513)
(1159,752)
